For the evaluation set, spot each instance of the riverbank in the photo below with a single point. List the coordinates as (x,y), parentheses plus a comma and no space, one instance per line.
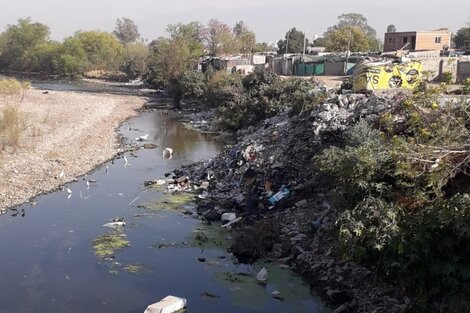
(288,208)
(65,135)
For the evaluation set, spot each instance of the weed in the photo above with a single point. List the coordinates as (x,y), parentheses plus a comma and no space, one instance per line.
(11,127)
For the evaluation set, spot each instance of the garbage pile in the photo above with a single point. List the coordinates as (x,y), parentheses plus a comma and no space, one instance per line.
(270,168)
(269,176)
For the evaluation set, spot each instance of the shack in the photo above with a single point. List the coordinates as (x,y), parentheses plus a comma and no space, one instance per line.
(329,65)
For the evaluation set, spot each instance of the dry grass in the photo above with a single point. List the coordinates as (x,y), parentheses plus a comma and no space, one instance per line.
(12,123)
(11,127)
(11,87)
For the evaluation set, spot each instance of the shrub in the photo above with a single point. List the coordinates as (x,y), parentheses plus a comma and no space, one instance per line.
(466,87)
(369,228)
(297,94)
(261,78)
(447,77)
(401,220)
(223,87)
(11,127)
(9,86)
(193,85)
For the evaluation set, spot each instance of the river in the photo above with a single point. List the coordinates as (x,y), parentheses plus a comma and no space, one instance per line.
(48,262)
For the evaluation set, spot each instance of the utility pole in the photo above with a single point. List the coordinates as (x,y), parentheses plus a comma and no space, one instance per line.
(287,40)
(305,39)
(347,53)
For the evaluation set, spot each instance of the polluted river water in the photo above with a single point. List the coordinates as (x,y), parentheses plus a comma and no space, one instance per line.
(57,256)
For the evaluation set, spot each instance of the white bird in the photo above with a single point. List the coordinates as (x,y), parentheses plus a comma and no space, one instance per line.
(107,168)
(70,193)
(168,153)
(87,184)
(126,161)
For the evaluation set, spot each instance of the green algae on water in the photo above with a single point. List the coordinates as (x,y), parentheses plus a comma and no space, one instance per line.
(107,245)
(170,202)
(136,268)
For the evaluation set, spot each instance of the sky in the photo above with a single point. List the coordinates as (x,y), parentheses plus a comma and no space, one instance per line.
(270,20)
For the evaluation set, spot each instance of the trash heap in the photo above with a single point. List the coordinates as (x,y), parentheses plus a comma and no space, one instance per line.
(267,181)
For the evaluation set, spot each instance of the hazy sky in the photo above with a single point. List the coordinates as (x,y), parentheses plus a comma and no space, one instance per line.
(268,19)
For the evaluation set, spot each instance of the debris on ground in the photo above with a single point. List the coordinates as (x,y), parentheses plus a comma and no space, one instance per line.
(282,205)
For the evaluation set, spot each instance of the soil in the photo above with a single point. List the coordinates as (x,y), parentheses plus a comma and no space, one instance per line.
(65,135)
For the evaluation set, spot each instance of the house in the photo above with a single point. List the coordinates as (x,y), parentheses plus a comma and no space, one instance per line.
(226,63)
(418,40)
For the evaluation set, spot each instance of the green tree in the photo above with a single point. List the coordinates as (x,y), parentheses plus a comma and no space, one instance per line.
(171,57)
(102,50)
(347,23)
(219,38)
(246,39)
(357,20)
(462,38)
(340,38)
(43,58)
(72,58)
(293,42)
(391,28)
(126,31)
(263,47)
(135,60)
(18,42)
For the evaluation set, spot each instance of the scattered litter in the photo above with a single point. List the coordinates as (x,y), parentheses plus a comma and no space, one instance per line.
(204,185)
(204,195)
(170,304)
(285,192)
(142,138)
(157,182)
(168,153)
(115,224)
(150,146)
(262,275)
(229,224)
(228,217)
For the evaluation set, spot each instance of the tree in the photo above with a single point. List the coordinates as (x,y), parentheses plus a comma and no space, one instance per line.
(351,27)
(135,60)
(357,20)
(171,57)
(246,39)
(72,58)
(126,31)
(219,38)
(462,38)
(340,38)
(102,50)
(391,28)
(293,42)
(263,47)
(18,42)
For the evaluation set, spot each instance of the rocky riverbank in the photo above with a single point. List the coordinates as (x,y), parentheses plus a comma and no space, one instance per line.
(287,208)
(65,134)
